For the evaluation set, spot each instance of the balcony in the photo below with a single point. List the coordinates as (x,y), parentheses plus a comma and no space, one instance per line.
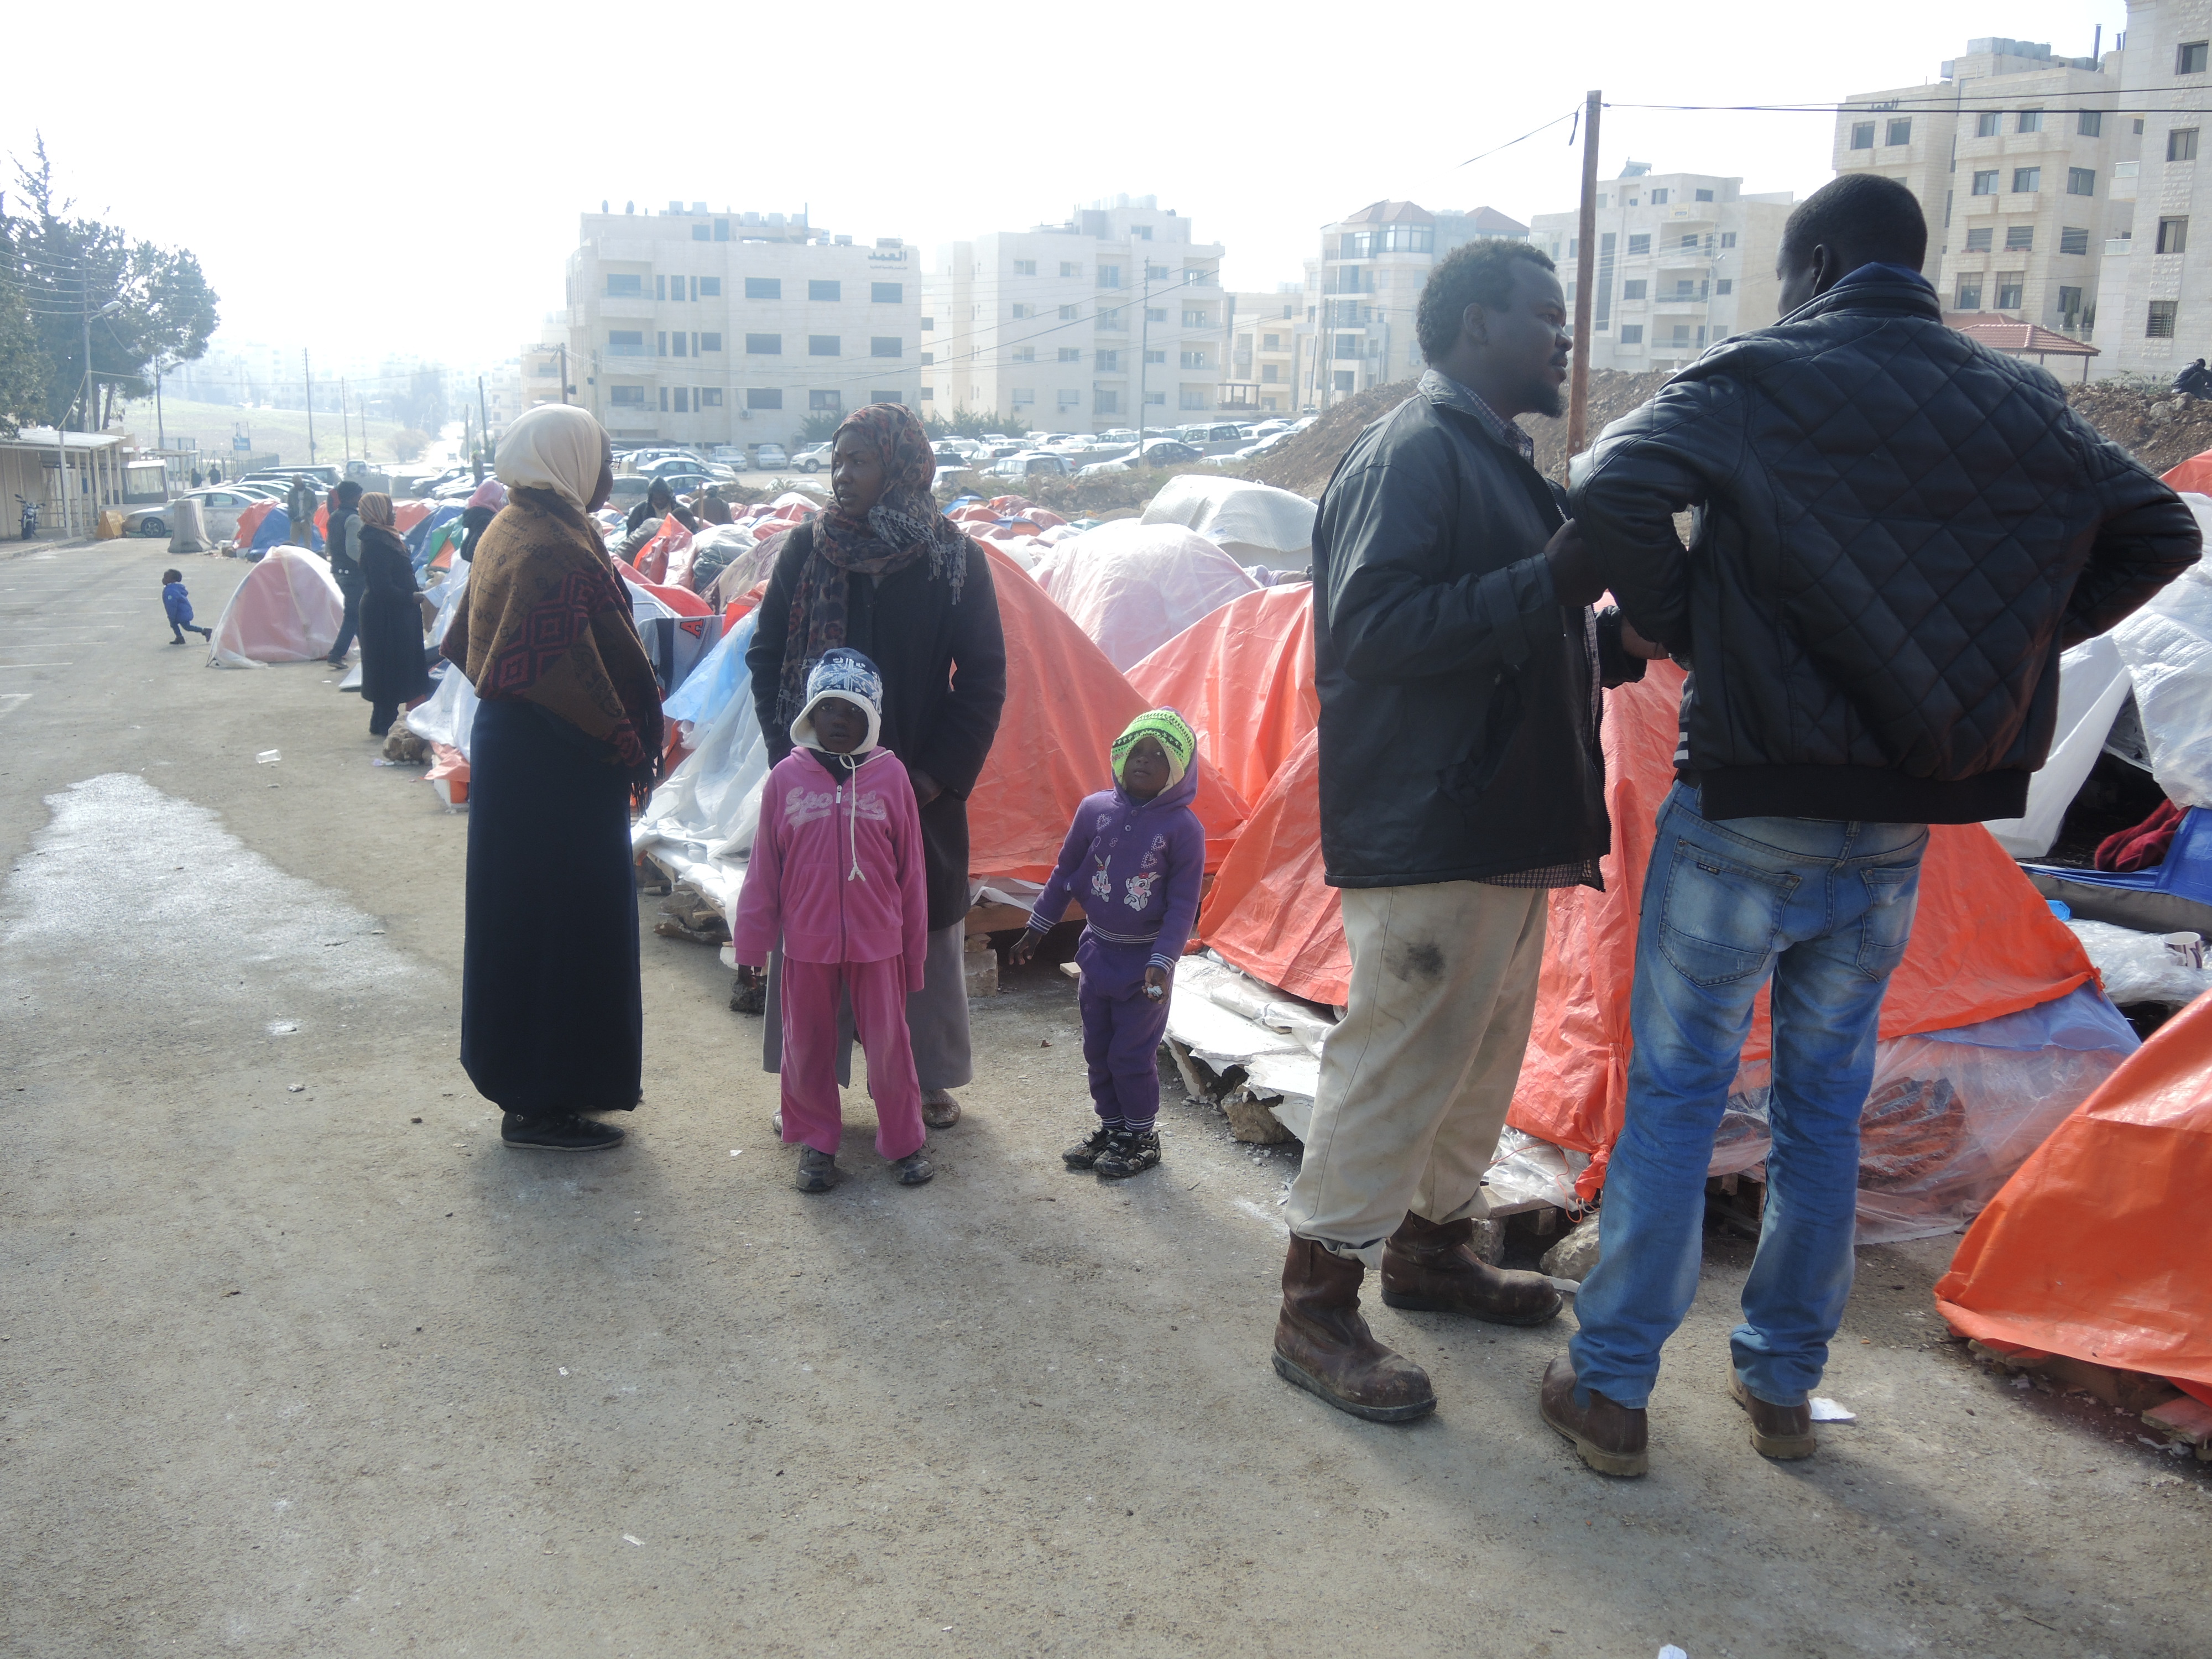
(1677,301)
(2125,176)
(625,306)
(624,351)
(2118,247)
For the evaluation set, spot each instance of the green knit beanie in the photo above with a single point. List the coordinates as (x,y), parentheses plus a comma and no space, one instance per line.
(1173,735)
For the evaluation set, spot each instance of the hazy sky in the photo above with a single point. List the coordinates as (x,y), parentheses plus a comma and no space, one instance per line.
(406,177)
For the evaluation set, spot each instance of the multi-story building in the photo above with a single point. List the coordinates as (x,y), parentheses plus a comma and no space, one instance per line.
(1263,346)
(732,328)
(1683,259)
(2154,309)
(1112,319)
(2013,157)
(1364,288)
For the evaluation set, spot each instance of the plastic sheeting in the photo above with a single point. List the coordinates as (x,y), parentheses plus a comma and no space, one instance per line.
(2168,647)
(1244,676)
(1253,523)
(2092,684)
(2139,967)
(1132,587)
(701,819)
(720,676)
(2095,1247)
(288,609)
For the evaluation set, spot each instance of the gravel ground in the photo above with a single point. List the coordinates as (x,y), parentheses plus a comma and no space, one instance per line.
(327,1369)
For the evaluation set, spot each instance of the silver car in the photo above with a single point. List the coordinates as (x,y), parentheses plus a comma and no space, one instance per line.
(220,506)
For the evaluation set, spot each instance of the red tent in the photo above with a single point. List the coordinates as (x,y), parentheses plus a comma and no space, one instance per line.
(1244,676)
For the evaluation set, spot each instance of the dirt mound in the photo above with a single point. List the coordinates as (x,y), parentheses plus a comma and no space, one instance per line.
(2158,428)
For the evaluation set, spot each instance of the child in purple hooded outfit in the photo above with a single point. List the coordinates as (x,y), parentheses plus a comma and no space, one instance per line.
(1144,853)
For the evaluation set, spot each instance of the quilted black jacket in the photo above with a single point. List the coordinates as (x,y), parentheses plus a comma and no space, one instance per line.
(1898,530)
(1455,688)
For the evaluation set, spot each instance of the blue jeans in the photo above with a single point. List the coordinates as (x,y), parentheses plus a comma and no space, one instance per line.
(1823,908)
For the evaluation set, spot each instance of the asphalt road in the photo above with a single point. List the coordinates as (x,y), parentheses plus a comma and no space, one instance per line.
(296,1357)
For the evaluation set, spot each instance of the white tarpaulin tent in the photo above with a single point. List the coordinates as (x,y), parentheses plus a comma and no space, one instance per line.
(1253,523)
(1134,586)
(288,609)
(2168,647)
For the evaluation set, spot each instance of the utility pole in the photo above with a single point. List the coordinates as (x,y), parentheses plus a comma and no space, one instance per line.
(1585,282)
(564,373)
(310,374)
(345,424)
(1144,357)
(483,430)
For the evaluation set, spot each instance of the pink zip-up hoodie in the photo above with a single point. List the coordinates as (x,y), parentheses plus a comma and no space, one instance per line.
(836,872)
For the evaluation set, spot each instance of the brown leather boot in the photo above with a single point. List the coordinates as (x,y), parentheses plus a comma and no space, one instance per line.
(1429,1267)
(1324,1346)
(1610,1438)
(1778,1431)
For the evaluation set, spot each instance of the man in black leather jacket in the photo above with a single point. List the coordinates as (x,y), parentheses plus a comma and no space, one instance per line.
(1899,531)
(1458,663)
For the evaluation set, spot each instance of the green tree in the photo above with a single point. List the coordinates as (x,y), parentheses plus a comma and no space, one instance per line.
(407,445)
(71,269)
(24,371)
(820,427)
(967,423)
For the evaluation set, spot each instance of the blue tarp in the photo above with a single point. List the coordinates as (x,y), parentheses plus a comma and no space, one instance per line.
(2186,873)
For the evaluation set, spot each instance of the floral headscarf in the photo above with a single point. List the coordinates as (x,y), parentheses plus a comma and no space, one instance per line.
(904,525)
(376,511)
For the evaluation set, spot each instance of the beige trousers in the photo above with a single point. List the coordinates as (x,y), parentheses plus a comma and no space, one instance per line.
(1416,1078)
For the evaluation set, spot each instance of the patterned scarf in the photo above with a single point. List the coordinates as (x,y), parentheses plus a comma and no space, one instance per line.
(376,509)
(903,525)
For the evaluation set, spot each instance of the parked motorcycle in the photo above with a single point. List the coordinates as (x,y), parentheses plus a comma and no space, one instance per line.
(30,517)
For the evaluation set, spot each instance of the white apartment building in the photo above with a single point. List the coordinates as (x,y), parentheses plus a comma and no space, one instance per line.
(1364,289)
(2155,312)
(2013,156)
(1683,259)
(1112,319)
(1264,344)
(694,327)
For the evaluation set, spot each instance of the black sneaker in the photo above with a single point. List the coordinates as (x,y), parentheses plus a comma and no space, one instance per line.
(563,1134)
(914,1169)
(1084,1154)
(1128,1154)
(817,1170)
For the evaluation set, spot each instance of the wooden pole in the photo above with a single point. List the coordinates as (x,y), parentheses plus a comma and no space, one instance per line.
(1585,285)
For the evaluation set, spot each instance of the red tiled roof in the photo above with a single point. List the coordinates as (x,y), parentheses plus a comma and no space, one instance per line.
(2014,338)
(1392,213)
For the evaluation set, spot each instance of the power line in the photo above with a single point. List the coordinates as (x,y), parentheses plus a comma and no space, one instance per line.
(1571,115)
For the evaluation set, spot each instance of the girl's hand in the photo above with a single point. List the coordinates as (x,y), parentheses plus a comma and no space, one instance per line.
(1156,982)
(1023,948)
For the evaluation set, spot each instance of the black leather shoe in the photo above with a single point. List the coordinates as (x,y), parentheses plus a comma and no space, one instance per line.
(563,1132)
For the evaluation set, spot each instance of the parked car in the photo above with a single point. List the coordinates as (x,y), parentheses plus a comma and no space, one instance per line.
(630,489)
(1118,435)
(768,457)
(220,506)
(813,457)
(666,463)
(325,477)
(690,484)
(1032,464)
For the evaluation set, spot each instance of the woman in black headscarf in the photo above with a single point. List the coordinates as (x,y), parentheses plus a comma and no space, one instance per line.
(884,572)
(391,668)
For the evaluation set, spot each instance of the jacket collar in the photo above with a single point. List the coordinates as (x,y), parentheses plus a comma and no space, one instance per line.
(1441,389)
(1873,289)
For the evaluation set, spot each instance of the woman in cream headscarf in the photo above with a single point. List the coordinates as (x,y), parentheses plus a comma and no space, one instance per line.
(552,1017)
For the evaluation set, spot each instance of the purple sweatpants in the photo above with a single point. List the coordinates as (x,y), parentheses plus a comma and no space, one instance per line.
(1121,1030)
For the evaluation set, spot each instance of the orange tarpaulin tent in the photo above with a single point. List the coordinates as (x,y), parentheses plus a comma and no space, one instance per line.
(1244,676)
(2193,474)
(1064,706)
(2096,1248)
(1269,911)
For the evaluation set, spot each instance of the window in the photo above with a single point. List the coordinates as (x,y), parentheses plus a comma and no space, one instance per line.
(623,343)
(927,358)
(2090,123)
(2074,238)
(1069,267)
(1705,196)
(1105,403)
(2019,239)
(2025,181)
(1025,267)
(764,345)
(1985,124)
(710,397)
(1269,371)
(1640,244)
(660,343)
(1986,184)
(1025,396)
(1069,398)
(1681,334)
(1900,131)
(2009,287)
(2173,236)
(1690,240)
(1110,275)
(1725,285)
(1156,356)
(767,287)
(1194,359)
(1727,239)
(703,231)
(1194,397)
(1344,380)
(1107,363)
(825,345)
(886,345)
(928,324)
(661,287)
(710,342)
(1025,311)
(1632,334)
(772,398)
(1347,346)
(1970,293)
(1977,240)
(1142,233)
(2031,120)
(2159,326)
(885,395)
(2081,181)
(2070,305)
(1659,199)
(1071,354)
(2138,127)
(2189,59)
(1270,343)
(626,396)
(1634,290)
(1024,354)
(710,288)
(2181,144)
(816,288)
(1068,313)
(1197,320)
(625,288)
(679,352)
(832,401)
(1156,313)
(683,404)
(664,400)
(886,293)
(1156,273)
(1861,134)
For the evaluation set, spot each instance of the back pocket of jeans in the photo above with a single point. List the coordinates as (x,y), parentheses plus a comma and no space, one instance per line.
(1893,894)
(1718,920)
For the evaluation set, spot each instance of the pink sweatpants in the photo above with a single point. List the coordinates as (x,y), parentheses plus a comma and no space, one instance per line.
(809,993)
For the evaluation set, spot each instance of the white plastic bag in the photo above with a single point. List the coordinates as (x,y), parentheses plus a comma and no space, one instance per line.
(2145,966)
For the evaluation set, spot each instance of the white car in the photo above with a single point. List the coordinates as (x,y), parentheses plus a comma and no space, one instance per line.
(1031,464)
(220,506)
(813,457)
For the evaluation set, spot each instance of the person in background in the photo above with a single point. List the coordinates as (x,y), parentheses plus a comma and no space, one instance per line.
(1898,530)
(1140,853)
(884,572)
(1459,663)
(835,884)
(215,472)
(342,545)
(392,670)
(477,516)
(198,479)
(299,508)
(176,602)
(659,503)
(2194,381)
(711,507)
(567,728)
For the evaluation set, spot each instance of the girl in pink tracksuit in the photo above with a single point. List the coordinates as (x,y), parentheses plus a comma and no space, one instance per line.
(836,877)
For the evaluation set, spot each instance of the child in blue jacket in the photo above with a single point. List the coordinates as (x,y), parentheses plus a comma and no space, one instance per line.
(178,604)
(1139,851)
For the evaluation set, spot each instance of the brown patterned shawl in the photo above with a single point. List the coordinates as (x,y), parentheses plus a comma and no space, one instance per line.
(547,621)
